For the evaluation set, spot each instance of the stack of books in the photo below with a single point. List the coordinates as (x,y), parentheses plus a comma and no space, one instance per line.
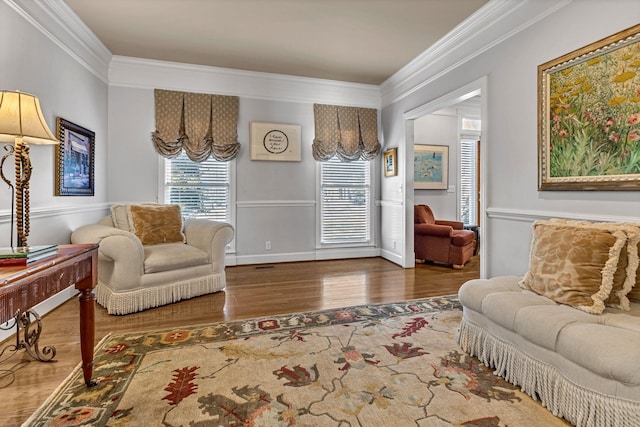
(23,255)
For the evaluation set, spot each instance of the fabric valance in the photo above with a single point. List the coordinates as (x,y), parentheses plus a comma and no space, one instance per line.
(203,125)
(349,132)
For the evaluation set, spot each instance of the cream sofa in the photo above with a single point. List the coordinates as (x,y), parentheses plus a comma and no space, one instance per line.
(582,365)
(133,276)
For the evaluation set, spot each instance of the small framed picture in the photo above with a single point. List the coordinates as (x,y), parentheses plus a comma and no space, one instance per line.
(391,162)
(74,160)
(431,167)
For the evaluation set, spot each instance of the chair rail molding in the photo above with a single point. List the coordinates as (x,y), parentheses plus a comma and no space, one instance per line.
(535,215)
(275,203)
(50,211)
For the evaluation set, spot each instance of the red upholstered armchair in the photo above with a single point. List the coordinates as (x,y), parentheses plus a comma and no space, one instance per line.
(441,241)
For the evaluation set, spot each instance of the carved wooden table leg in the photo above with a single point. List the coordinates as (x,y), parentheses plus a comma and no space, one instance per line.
(87,334)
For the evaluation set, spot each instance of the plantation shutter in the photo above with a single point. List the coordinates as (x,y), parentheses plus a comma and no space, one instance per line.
(200,188)
(468,181)
(345,202)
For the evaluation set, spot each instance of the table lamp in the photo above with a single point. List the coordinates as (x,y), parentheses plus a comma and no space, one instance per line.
(21,124)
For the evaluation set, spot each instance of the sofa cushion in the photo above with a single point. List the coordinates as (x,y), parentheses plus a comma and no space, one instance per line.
(120,215)
(154,224)
(462,237)
(120,218)
(572,264)
(607,351)
(473,292)
(503,307)
(422,214)
(542,324)
(172,256)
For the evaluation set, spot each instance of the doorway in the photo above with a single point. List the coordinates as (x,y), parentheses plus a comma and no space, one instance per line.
(469,94)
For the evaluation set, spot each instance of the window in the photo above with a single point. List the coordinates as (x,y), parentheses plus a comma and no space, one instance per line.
(471,124)
(201,189)
(468,191)
(345,202)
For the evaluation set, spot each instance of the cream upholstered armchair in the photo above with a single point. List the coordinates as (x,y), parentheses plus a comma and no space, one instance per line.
(149,256)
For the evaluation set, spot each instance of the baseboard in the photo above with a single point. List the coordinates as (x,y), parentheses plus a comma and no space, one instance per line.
(391,256)
(319,255)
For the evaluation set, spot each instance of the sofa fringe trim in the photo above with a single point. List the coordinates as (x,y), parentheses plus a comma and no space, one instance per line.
(156,296)
(541,381)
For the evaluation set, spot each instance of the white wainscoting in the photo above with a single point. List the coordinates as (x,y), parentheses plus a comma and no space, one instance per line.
(53,225)
(293,237)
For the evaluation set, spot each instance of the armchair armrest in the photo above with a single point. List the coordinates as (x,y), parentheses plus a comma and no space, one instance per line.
(211,237)
(433,230)
(456,225)
(120,252)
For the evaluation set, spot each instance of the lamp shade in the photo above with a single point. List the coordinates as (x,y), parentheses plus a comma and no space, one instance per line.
(21,117)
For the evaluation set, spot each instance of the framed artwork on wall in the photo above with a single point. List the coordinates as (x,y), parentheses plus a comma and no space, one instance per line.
(274,141)
(74,160)
(431,167)
(391,162)
(589,117)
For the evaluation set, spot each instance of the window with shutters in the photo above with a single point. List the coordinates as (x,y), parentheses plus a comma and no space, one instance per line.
(470,128)
(201,189)
(345,202)
(468,191)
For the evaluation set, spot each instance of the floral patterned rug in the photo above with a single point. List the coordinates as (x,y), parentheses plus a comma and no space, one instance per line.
(374,365)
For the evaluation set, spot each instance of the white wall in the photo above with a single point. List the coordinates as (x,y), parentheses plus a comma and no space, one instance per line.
(440,128)
(275,201)
(513,200)
(33,62)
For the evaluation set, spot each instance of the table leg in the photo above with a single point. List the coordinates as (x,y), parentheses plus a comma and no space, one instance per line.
(87,334)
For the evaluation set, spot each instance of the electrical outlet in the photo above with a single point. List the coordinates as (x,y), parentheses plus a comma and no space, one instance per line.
(267,245)
(394,244)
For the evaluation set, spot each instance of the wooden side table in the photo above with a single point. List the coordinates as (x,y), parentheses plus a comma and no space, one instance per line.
(475,229)
(21,288)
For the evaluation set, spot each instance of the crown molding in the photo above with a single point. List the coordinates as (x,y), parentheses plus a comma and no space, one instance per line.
(61,25)
(148,74)
(492,24)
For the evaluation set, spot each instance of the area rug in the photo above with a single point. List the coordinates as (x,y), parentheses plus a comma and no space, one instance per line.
(374,365)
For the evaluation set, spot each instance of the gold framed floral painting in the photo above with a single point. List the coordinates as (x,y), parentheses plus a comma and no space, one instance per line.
(589,117)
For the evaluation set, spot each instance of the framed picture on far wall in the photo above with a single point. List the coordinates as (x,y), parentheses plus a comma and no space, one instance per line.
(74,160)
(391,162)
(275,142)
(430,167)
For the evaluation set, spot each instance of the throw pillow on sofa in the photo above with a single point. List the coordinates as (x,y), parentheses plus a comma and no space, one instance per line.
(625,277)
(573,264)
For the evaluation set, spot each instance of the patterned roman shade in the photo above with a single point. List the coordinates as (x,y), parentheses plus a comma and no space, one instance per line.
(349,132)
(203,125)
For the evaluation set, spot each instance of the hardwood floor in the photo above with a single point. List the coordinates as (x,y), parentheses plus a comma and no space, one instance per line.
(252,291)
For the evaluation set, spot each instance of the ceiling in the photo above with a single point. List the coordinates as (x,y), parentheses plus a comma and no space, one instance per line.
(360,41)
